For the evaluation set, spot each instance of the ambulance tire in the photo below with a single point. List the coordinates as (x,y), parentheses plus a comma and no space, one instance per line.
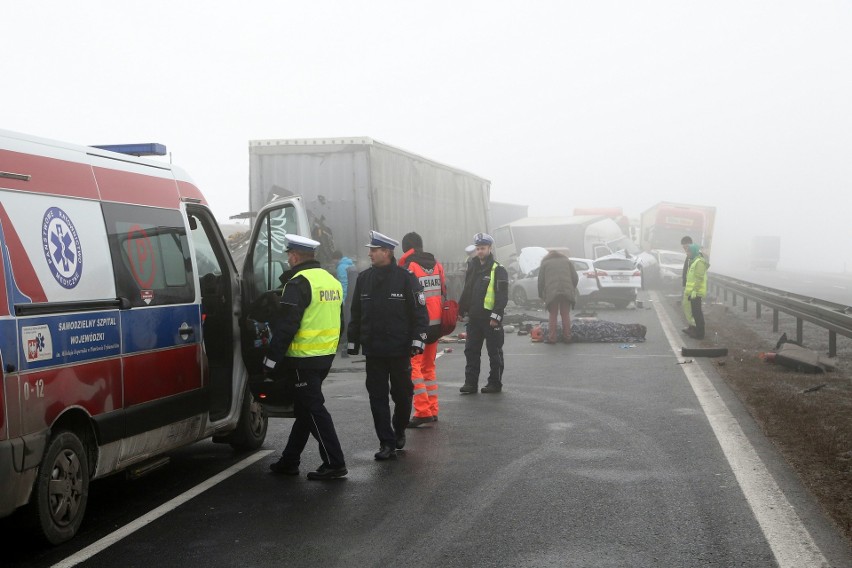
(61,489)
(251,429)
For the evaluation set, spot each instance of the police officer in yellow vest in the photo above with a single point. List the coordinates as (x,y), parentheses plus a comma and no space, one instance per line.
(485,295)
(304,341)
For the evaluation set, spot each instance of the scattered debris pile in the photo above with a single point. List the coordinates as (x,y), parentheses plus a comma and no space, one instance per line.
(797,357)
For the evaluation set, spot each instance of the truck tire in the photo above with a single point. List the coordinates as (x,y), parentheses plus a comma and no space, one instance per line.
(251,429)
(61,489)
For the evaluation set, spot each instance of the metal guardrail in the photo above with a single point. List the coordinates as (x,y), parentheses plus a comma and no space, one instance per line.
(836,318)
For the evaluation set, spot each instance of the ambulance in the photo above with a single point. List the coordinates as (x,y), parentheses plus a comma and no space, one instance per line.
(124,323)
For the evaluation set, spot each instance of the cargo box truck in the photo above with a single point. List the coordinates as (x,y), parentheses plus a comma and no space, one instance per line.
(665,224)
(352,185)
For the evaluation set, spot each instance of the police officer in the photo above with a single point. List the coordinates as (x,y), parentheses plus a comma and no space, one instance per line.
(389,323)
(485,295)
(304,340)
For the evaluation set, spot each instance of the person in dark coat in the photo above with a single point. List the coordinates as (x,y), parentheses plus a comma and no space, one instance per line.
(304,340)
(557,287)
(389,324)
(483,300)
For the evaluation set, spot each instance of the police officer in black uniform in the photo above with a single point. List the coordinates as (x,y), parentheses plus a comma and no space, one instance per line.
(484,298)
(304,340)
(388,322)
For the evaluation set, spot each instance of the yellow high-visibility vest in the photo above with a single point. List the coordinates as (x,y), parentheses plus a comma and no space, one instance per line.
(489,293)
(320,329)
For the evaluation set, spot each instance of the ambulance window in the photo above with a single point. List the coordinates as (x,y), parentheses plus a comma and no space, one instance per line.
(150,255)
(269,256)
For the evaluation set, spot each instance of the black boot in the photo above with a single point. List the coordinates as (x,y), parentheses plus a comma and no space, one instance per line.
(325,472)
(386,452)
(468,389)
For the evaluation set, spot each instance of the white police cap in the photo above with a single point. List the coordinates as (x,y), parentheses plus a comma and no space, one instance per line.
(299,243)
(469,249)
(480,239)
(378,240)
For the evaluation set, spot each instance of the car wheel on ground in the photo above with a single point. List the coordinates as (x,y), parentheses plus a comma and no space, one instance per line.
(520,297)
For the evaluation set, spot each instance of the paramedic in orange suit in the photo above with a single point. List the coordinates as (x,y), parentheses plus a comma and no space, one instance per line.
(430,273)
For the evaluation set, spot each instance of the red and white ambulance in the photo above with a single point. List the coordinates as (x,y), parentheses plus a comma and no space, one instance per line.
(121,313)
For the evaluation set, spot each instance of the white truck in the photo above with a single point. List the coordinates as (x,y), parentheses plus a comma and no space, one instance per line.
(585,236)
(764,252)
(351,185)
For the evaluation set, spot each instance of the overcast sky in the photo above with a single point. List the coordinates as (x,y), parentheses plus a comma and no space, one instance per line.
(743,105)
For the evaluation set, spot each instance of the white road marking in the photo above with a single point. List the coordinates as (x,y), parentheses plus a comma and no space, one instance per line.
(151,516)
(790,541)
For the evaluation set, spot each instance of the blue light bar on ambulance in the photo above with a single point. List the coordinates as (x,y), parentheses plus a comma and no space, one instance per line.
(150,149)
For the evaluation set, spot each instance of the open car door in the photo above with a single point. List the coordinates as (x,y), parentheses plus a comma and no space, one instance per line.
(265,262)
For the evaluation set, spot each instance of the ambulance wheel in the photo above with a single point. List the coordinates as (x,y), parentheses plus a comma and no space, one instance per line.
(251,429)
(61,489)
(519,297)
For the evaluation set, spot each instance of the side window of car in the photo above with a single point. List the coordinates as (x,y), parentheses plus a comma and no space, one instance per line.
(150,255)
(580,266)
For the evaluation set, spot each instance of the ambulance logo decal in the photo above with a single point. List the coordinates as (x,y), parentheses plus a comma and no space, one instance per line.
(37,343)
(62,247)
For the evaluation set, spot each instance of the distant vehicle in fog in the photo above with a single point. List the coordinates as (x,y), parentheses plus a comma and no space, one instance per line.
(665,224)
(662,268)
(585,236)
(765,252)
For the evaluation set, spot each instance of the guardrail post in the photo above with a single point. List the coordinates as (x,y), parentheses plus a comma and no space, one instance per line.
(757,310)
(832,343)
(800,330)
(775,320)
(733,299)
(745,303)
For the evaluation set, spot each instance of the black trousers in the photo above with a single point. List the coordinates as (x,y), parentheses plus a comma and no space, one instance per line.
(389,375)
(479,331)
(698,315)
(312,418)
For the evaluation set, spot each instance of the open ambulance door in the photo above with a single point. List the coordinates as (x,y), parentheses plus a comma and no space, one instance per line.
(265,262)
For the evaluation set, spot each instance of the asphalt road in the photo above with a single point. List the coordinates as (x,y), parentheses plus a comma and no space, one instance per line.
(595,455)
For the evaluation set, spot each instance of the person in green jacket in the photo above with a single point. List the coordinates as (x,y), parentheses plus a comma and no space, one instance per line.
(696,290)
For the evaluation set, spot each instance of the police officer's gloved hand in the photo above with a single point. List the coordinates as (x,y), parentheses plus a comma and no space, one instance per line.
(415,351)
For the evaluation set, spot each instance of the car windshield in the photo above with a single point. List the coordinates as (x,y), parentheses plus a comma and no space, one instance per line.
(614,264)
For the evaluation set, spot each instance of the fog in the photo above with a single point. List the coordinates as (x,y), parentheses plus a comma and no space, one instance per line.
(741,105)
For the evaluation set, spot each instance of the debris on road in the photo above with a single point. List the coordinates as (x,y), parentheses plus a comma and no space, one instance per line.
(794,356)
(704,351)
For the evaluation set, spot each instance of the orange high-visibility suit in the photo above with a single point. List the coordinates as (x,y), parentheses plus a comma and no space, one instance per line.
(430,273)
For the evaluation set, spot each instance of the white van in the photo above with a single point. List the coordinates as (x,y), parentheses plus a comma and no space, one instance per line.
(586,236)
(120,322)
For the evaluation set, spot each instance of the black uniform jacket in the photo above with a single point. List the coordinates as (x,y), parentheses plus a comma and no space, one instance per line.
(295,299)
(476,281)
(388,312)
